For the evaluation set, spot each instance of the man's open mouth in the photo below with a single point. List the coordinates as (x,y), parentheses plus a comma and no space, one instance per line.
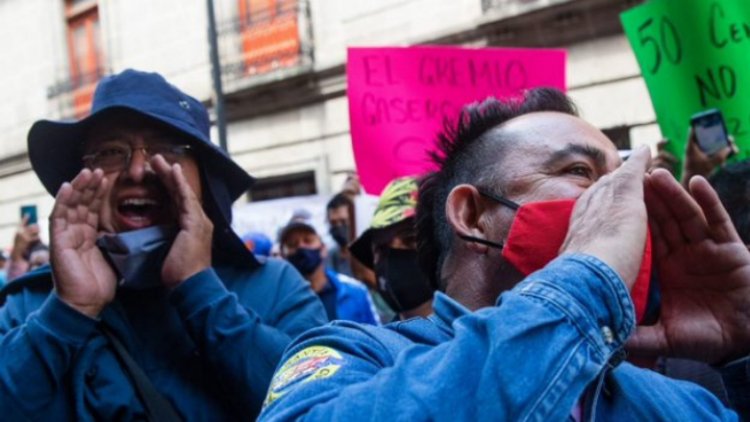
(138,212)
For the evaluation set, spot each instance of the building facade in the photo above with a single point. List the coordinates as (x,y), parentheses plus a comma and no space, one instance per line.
(283,71)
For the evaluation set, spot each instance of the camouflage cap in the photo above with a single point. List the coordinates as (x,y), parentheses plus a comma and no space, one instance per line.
(397,203)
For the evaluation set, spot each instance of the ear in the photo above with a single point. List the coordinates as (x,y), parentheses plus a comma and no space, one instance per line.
(464,211)
(323,250)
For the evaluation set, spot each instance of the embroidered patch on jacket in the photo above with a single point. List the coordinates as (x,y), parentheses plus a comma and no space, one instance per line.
(310,364)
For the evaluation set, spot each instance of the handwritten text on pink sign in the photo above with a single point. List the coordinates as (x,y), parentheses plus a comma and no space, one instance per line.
(399,97)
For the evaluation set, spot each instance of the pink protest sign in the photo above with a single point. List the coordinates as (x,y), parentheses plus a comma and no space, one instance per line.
(398,98)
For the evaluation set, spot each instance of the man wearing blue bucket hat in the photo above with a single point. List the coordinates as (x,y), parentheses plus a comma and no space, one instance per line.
(157,309)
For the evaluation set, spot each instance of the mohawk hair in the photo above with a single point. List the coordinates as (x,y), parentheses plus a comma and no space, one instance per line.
(464,155)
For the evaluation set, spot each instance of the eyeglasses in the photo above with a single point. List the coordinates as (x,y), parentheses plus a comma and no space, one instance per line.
(116,157)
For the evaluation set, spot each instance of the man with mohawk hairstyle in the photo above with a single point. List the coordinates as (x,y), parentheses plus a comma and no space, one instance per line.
(536,235)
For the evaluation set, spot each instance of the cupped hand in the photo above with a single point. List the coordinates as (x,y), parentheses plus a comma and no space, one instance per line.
(704,273)
(609,219)
(83,279)
(191,250)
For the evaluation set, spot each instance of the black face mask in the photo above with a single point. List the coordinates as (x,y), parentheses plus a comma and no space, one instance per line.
(340,234)
(400,280)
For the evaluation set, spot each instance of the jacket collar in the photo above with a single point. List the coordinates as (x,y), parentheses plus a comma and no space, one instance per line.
(446,310)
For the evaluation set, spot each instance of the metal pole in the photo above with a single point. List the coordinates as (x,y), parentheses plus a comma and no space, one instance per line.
(221,123)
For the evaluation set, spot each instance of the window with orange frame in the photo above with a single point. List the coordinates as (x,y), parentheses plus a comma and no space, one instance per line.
(270,34)
(84,51)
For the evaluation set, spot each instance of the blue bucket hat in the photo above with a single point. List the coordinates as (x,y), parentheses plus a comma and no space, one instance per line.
(56,148)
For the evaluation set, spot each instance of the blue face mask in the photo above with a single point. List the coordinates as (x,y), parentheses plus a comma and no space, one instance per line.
(305,260)
(137,256)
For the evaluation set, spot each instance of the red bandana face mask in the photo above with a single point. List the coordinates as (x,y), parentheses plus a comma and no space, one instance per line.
(537,234)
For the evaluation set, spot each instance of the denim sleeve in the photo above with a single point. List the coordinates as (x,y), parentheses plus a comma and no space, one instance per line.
(36,353)
(529,358)
(240,349)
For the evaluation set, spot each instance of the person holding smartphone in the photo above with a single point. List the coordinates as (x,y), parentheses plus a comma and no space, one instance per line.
(25,243)
(705,151)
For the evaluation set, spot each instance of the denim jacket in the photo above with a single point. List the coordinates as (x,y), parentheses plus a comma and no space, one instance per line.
(553,341)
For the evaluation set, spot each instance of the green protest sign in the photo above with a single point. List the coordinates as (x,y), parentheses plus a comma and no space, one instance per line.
(694,55)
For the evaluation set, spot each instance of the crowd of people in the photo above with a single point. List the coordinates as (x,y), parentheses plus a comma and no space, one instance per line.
(533,275)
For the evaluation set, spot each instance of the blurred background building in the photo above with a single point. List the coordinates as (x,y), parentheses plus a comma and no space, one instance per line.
(283,71)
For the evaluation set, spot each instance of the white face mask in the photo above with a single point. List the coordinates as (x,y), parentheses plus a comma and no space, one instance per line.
(137,256)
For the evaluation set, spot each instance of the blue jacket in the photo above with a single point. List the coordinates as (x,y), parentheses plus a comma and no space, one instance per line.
(352,300)
(549,342)
(209,346)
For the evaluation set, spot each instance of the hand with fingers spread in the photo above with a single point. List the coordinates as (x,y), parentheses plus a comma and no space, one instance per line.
(609,219)
(83,278)
(191,250)
(704,272)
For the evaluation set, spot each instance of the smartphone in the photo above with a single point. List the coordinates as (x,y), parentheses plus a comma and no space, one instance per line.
(710,131)
(30,212)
